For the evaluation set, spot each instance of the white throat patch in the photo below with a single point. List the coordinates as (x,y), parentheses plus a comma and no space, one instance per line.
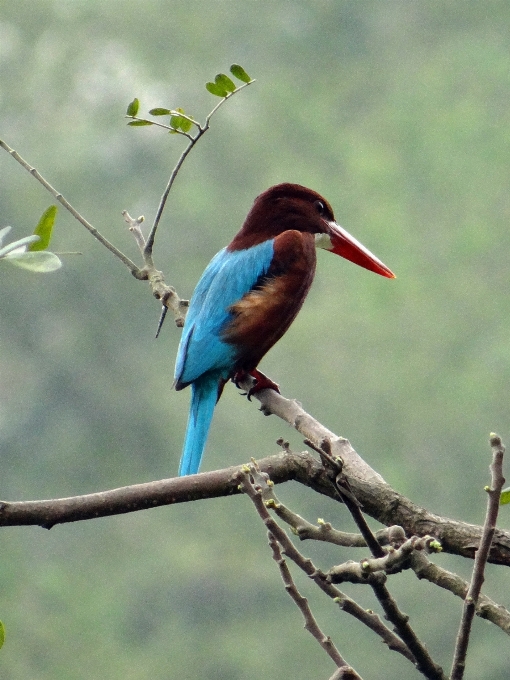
(323,241)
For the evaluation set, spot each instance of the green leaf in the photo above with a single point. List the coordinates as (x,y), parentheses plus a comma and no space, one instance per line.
(185,124)
(139,123)
(42,261)
(2,634)
(215,89)
(505,497)
(44,229)
(159,112)
(133,107)
(175,120)
(224,81)
(239,73)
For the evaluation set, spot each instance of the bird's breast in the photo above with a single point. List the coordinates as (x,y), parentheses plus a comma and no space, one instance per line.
(262,315)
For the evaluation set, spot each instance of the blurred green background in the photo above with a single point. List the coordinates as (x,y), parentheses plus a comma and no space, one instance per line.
(398,112)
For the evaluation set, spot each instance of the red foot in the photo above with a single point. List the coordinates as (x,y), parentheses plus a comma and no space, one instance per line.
(262,382)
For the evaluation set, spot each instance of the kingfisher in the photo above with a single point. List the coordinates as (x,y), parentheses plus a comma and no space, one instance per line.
(248,296)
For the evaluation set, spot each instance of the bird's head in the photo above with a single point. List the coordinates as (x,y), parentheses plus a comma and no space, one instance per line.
(291,206)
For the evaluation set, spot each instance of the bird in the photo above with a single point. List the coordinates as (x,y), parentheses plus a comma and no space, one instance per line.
(249,295)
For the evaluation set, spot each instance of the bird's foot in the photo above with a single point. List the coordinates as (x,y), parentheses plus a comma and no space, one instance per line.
(262,382)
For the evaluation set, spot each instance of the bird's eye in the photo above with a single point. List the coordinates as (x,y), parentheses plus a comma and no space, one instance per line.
(320,207)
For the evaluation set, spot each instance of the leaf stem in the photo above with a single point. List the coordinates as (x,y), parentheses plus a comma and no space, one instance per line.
(162,125)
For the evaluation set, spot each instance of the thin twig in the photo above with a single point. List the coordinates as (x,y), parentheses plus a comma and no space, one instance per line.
(481,557)
(424,662)
(311,624)
(368,618)
(394,561)
(485,607)
(170,128)
(334,467)
(202,129)
(152,234)
(136,271)
(134,227)
(160,290)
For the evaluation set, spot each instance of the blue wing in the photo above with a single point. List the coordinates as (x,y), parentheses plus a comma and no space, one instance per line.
(229,276)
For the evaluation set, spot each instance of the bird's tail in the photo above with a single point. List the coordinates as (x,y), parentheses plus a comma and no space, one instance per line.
(204,395)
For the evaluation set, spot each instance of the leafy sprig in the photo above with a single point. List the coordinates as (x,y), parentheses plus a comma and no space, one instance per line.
(30,252)
(183,124)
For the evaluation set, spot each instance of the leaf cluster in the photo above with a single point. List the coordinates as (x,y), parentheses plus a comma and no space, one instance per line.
(180,122)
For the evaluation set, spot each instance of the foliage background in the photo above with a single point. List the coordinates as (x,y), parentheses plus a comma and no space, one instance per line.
(398,113)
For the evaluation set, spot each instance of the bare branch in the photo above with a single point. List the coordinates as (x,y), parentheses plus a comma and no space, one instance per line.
(324,531)
(334,467)
(161,291)
(374,576)
(481,557)
(370,619)
(291,411)
(394,561)
(311,624)
(395,537)
(424,663)
(378,500)
(485,607)
(134,228)
(58,196)
(152,234)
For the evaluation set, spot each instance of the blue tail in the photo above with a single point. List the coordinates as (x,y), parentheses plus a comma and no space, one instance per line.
(204,395)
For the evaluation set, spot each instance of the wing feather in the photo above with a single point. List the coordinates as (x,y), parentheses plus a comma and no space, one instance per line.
(227,278)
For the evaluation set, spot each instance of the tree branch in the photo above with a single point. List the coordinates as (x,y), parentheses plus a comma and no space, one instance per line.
(412,552)
(375,569)
(485,607)
(378,500)
(58,196)
(393,561)
(254,491)
(311,624)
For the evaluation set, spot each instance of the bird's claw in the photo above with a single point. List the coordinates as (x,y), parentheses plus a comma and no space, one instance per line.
(262,382)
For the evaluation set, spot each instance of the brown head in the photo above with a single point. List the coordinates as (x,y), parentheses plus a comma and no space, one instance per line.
(285,207)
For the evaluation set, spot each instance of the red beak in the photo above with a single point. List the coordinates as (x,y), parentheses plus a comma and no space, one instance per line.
(342,243)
